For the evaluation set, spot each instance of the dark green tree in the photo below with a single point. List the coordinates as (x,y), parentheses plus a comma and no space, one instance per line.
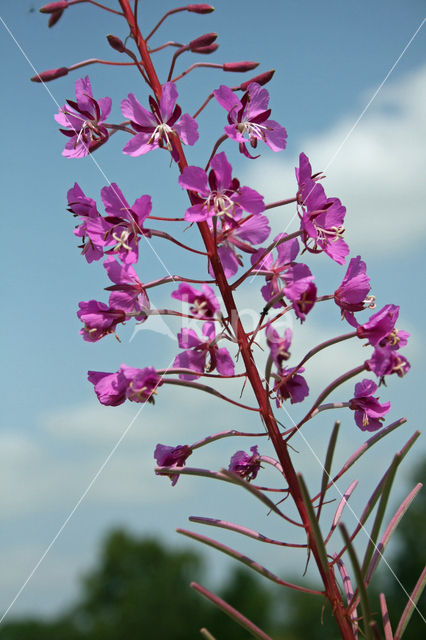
(409,561)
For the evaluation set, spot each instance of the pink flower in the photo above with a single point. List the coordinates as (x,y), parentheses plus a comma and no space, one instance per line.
(290,387)
(158,127)
(137,385)
(385,361)
(244,465)
(380,325)
(219,193)
(172,457)
(321,217)
(279,346)
(283,276)
(197,351)
(99,319)
(128,292)
(352,295)
(250,117)
(142,384)
(369,413)
(83,121)
(109,387)
(85,208)
(125,222)
(239,235)
(204,303)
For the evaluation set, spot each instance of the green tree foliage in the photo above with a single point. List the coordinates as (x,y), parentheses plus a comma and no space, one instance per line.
(409,561)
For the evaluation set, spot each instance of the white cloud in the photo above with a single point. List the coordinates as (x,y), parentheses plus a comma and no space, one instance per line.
(378,174)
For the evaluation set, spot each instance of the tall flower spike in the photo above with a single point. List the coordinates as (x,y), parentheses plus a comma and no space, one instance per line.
(83,121)
(157,128)
(249,118)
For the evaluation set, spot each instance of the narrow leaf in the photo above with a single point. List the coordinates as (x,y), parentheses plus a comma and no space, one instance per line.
(360,583)
(385,616)
(379,488)
(380,514)
(366,446)
(389,531)
(315,529)
(340,508)
(327,465)
(349,591)
(231,612)
(252,564)
(231,526)
(411,605)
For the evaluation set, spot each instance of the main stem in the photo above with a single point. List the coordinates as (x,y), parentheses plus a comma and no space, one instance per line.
(262,398)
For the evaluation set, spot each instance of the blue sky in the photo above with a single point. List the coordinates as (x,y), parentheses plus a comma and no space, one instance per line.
(330,59)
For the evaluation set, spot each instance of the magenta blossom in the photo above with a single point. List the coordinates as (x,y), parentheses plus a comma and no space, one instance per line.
(197,351)
(380,325)
(160,126)
(109,387)
(141,383)
(172,457)
(99,319)
(352,295)
(239,235)
(279,346)
(385,361)
(136,385)
(244,465)
(84,121)
(204,303)
(321,217)
(369,413)
(287,278)
(250,117)
(125,222)
(289,386)
(128,292)
(219,193)
(85,208)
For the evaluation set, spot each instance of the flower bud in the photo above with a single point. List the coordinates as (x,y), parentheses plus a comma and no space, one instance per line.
(240,66)
(205,50)
(53,7)
(200,8)
(50,74)
(116,43)
(261,79)
(203,41)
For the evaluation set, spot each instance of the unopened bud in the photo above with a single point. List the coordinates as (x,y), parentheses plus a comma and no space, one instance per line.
(50,74)
(203,41)
(240,66)
(205,50)
(52,7)
(263,78)
(200,8)
(116,43)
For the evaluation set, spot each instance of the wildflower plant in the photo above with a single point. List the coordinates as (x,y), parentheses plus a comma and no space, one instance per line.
(234,229)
